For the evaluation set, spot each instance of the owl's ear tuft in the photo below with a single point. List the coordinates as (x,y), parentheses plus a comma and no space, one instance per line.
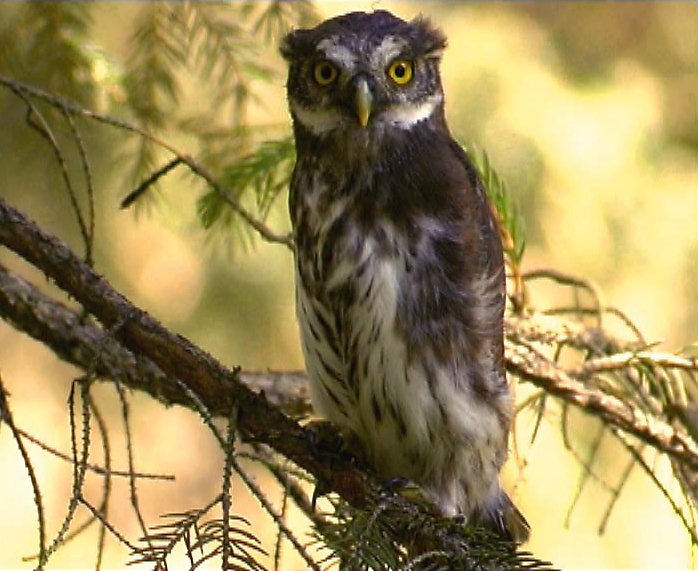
(428,38)
(297,44)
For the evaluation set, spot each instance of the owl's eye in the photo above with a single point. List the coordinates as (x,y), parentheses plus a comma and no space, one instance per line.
(324,73)
(401,71)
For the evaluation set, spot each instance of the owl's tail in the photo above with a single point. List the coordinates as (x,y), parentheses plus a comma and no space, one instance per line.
(504,518)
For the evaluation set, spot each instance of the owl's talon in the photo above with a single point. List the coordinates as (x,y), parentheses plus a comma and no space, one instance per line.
(407,489)
(341,445)
(321,489)
(394,485)
(326,440)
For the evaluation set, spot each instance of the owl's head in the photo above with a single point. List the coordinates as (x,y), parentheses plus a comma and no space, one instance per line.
(364,72)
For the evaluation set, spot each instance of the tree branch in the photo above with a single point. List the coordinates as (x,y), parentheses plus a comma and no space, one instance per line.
(80,343)
(174,355)
(67,107)
(172,369)
(529,364)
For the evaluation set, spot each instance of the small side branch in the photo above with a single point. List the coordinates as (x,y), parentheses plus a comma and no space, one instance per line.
(545,374)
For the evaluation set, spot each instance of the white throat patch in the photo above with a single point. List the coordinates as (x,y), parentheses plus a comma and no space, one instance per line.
(400,115)
(404,115)
(317,121)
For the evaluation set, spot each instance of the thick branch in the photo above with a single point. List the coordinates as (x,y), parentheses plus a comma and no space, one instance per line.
(79,341)
(217,387)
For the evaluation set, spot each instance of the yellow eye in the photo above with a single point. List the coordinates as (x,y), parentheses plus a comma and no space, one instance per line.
(324,73)
(401,71)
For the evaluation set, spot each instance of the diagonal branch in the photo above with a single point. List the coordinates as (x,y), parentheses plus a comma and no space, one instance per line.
(143,335)
(217,388)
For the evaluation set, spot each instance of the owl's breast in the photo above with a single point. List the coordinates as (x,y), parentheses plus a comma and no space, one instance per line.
(346,309)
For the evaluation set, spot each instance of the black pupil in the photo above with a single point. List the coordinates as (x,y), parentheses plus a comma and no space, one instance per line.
(400,70)
(326,72)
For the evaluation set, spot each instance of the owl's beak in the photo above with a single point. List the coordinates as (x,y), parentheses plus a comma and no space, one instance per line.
(363,100)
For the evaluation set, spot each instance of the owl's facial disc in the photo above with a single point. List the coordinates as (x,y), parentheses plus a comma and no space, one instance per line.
(354,83)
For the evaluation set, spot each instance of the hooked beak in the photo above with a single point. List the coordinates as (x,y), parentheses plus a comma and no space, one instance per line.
(363,100)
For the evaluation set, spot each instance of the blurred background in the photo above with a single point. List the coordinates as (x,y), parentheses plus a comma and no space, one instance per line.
(589,111)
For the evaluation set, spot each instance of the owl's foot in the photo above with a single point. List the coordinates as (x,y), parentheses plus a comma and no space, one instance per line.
(342,446)
(410,491)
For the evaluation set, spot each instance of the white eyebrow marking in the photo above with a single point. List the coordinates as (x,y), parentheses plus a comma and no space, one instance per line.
(387,50)
(337,53)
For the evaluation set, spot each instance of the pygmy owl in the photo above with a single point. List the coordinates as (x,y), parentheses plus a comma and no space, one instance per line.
(400,279)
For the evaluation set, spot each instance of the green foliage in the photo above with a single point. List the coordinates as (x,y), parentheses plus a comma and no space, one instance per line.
(219,44)
(54,48)
(266,172)
(202,540)
(503,202)
(358,539)
(366,539)
(272,19)
(157,51)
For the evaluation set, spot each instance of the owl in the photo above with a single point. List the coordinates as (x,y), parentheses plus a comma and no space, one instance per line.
(400,285)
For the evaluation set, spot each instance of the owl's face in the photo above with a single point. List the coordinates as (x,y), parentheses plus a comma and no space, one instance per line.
(364,72)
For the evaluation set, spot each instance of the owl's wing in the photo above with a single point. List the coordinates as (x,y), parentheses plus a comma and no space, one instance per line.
(491,281)
(454,299)
(490,234)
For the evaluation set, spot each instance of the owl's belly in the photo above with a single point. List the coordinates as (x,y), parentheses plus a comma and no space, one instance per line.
(414,414)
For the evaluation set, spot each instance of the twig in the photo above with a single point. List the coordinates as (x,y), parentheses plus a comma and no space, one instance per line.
(278,519)
(79,462)
(115,532)
(637,456)
(24,91)
(529,364)
(106,488)
(226,495)
(147,183)
(89,235)
(620,361)
(265,232)
(93,467)
(6,417)
(133,490)
(569,280)
(42,127)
